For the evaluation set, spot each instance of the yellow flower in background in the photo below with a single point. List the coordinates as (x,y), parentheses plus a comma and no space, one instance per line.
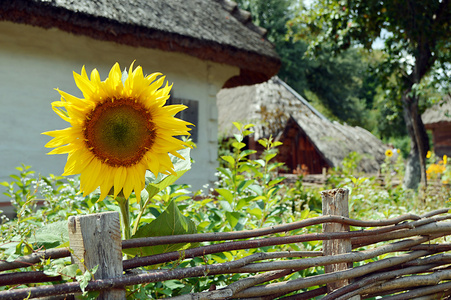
(445,159)
(389,153)
(428,154)
(118,130)
(435,169)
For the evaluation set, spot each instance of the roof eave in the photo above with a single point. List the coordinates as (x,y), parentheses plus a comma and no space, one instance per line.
(254,67)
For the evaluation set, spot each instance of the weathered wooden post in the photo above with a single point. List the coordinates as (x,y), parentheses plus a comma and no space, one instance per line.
(335,202)
(96,240)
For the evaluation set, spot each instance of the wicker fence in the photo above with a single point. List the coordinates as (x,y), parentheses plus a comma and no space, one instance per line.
(415,266)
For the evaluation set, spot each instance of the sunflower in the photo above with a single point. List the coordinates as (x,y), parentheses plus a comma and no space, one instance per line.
(119,129)
(389,153)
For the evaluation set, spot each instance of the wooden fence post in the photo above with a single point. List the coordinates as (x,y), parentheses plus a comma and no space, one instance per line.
(96,240)
(335,202)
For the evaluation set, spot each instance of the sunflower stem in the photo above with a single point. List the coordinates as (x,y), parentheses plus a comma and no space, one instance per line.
(125,214)
(135,227)
(141,212)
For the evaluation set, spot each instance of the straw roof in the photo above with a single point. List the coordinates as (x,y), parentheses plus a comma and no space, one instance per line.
(213,30)
(270,105)
(440,112)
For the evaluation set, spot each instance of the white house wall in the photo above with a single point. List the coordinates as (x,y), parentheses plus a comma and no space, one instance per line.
(34,61)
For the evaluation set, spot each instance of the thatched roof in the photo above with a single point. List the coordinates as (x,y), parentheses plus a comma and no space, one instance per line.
(270,105)
(438,113)
(213,30)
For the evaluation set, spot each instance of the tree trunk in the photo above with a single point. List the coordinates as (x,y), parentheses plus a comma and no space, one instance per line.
(416,161)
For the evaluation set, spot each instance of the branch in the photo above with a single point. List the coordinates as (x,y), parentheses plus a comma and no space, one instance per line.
(36,257)
(357,287)
(26,277)
(329,260)
(162,275)
(306,295)
(300,283)
(410,282)
(368,240)
(34,277)
(428,229)
(26,261)
(222,236)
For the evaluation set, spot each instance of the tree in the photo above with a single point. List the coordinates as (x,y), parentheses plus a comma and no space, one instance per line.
(334,81)
(416,35)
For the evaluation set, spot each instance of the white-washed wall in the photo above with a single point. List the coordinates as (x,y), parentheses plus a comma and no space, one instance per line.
(34,61)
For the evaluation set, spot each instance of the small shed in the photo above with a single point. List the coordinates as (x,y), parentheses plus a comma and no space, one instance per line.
(310,140)
(438,119)
(200,46)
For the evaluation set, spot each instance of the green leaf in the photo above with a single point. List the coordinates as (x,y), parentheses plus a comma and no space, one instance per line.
(257,189)
(226,206)
(15,177)
(270,156)
(238,137)
(243,185)
(256,212)
(276,181)
(229,159)
(51,235)
(84,279)
(155,185)
(238,145)
(233,218)
(245,153)
(261,162)
(226,194)
(263,142)
(304,214)
(174,284)
(237,125)
(203,225)
(170,222)
(69,271)
(227,172)
(247,132)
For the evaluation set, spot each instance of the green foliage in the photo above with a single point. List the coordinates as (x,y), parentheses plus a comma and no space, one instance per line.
(248,187)
(382,197)
(342,84)
(170,222)
(249,194)
(414,57)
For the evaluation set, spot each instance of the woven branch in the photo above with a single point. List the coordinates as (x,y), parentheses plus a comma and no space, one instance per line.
(328,260)
(433,292)
(300,283)
(412,281)
(369,240)
(26,277)
(235,235)
(36,257)
(34,277)
(428,226)
(305,295)
(357,287)
(428,229)
(202,271)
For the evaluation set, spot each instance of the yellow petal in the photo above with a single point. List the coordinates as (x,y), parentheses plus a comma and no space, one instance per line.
(119,179)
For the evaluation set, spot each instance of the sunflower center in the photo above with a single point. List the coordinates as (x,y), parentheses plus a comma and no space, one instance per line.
(119,132)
